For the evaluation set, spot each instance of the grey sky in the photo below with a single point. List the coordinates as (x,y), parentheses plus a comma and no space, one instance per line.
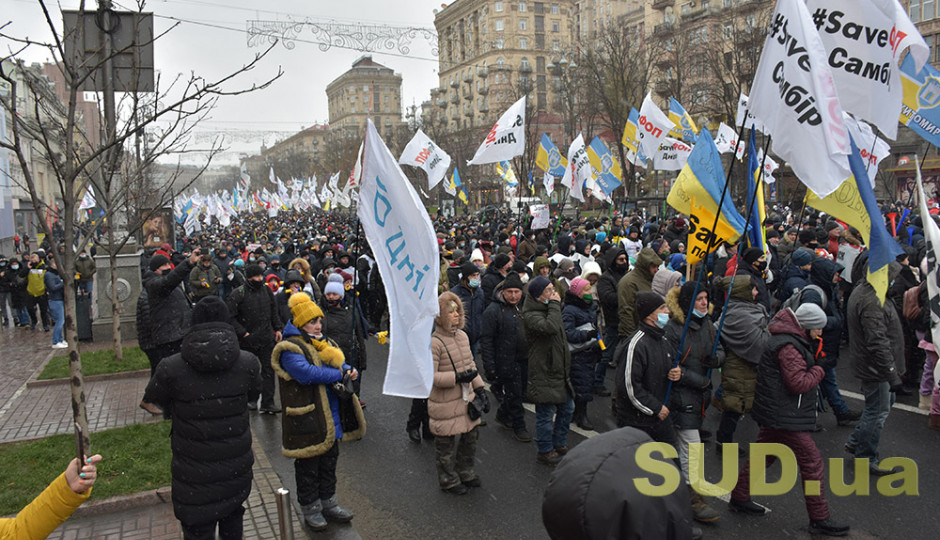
(212,42)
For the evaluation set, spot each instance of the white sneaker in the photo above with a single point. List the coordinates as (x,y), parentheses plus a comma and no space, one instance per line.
(61,345)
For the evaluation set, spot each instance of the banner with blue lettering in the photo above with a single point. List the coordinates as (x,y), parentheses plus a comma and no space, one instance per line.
(405,248)
(920,110)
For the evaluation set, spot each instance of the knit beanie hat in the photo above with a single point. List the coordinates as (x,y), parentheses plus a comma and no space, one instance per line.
(157,261)
(457,255)
(210,309)
(752,254)
(537,286)
(476,255)
(293,276)
(578,285)
(253,270)
(512,281)
(685,295)
(303,309)
(239,263)
(801,257)
(646,303)
(335,285)
(500,260)
(811,316)
(467,269)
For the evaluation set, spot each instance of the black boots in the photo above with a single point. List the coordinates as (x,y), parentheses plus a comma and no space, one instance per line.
(581,417)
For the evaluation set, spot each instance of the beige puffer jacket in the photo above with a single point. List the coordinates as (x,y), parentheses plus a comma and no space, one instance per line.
(447,404)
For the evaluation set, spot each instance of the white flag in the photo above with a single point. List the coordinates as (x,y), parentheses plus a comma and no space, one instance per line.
(864,40)
(356,175)
(244,176)
(671,155)
(794,94)
(271,177)
(873,148)
(752,121)
(334,181)
(727,141)
(652,126)
(406,251)
(88,200)
(539,216)
(421,152)
(549,182)
(932,234)
(507,138)
(579,168)
(769,167)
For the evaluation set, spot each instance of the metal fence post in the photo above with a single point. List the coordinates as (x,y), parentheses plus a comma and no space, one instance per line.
(284,521)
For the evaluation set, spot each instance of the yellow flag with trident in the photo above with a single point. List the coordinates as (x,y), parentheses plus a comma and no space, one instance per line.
(701,238)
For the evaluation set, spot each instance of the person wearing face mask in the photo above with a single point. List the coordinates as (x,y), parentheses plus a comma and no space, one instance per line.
(790,370)
(495,273)
(338,326)
(617,266)
(275,268)
(549,383)
(317,417)
(205,278)
(687,399)
(19,298)
(6,281)
(755,266)
(644,372)
(579,315)
(258,325)
(223,262)
(563,274)
(471,294)
(526,248)
(85,273)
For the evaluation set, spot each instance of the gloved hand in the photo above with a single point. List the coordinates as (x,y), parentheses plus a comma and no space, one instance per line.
(481,392)
(490,375)
(826,362)
(710,360)
(466,376)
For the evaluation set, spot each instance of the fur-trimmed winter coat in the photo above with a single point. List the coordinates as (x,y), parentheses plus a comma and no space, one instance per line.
(305,369)
(447,404)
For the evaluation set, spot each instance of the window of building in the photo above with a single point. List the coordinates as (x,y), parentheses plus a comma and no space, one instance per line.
(555,9)
(540,41)
(915,11)
(498,25)
(686,8)
(540,23)
(556,26)
(726,3)
(556,45)
(929,7)
(523,24)
(727,29)
(522,6)
(499,43)
(483,27)
(750,20)
(498,8)
(523,43)
(500,61)
(524,64)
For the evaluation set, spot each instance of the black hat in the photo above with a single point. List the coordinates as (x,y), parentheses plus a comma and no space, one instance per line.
(467,269)
(157,261)
(646,303)
(210,309)
(685,295)
(807,236)
(253,270)
(772,233)
(293,276)
(752,254)
(520,266)
(513,281)
(500,260)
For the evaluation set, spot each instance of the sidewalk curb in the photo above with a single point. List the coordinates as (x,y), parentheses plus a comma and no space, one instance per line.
(35,383)
(123,502)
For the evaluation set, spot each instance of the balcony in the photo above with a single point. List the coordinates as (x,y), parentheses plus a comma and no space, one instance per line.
(468,77)
(441,102)
(663,88)
(696,14)
(481,71)
(468,93)
(664,28)
(484,109)
(453,98)
(525,68)
(663,4)
(483,89)
(454,83)
(468,112)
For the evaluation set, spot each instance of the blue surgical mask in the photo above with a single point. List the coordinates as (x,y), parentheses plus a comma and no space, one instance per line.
(699,314)
(662,319)
(474,283)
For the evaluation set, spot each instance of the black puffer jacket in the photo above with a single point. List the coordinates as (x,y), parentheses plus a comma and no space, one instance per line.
(170,310)
(587,497)
(207,388)
(576,313)
(821,275)
(144,336)
(337,325)
(502,340)
(491,278)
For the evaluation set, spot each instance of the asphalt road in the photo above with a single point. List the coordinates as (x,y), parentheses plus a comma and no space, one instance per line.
(391,485)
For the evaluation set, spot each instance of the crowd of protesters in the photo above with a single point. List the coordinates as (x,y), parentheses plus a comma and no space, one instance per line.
(589,307)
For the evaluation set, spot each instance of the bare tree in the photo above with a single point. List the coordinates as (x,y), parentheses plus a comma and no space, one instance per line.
(50,129)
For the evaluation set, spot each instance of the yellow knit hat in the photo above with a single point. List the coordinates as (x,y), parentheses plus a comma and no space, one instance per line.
(303,309)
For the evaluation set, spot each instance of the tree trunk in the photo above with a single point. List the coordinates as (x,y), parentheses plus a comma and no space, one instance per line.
(116,309)
(66,267)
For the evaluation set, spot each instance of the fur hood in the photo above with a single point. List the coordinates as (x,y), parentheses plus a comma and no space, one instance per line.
(443,302)
(305,267)
(677,312)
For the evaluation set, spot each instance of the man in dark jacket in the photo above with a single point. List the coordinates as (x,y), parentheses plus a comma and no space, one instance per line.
(645,371)
(338,326)
(207,387)
(794,275)
(205,278)
(496,272)
(549,385)
(505,355)
(617,265)
(788,375)
(223,261)
(468,289)
(85,269)
(755,265)
(169,308)
(639,279)
(876,350)
(258,325)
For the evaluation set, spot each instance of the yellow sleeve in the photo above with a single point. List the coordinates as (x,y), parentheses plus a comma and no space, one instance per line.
(47,511)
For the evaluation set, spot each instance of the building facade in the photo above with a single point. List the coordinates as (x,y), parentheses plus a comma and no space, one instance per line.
(367,89)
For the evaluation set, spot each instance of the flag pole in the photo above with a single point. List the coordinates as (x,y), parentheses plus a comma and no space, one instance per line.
(561,212)
(701,274)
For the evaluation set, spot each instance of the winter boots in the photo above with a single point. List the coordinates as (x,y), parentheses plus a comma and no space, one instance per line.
(317,515)
(581,417)
(701,512)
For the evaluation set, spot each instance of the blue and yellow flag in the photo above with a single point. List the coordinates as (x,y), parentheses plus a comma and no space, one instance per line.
(630,132)
(455,182)
(504,170)
(549,159)
(531,183)
(919,109)
(756,235)
(608,170)
(702,181)
(854,203)
(685,126)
